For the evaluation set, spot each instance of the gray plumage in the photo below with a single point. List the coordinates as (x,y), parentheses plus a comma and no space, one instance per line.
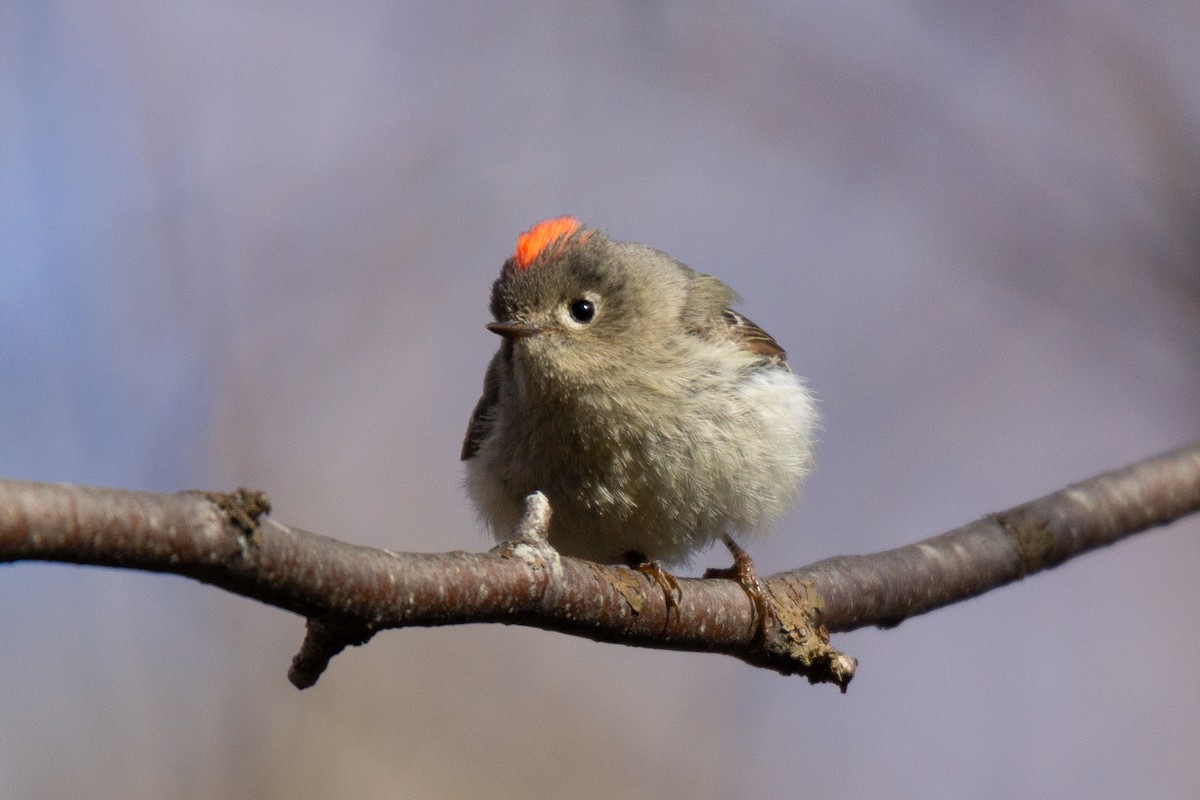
(654,424)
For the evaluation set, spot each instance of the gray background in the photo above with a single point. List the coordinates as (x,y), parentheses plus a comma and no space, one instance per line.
(251,243)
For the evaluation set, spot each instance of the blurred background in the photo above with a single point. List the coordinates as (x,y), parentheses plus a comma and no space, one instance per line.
(251,244)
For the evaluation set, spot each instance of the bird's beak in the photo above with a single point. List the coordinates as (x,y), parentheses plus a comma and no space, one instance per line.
(514,330)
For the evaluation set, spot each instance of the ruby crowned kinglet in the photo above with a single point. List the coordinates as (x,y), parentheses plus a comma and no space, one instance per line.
(653,417)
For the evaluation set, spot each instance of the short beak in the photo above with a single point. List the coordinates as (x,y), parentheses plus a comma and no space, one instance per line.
(514,330)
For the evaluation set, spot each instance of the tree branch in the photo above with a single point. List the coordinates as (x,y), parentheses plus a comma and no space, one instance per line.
(348,593)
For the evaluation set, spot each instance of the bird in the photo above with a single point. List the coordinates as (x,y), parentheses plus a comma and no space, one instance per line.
(654,417)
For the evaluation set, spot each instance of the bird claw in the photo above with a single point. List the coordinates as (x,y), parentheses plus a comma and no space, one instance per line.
(746,575)
(671,590)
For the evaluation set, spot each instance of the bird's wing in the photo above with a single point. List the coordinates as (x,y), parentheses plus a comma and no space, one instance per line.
(754,338)
(481,417)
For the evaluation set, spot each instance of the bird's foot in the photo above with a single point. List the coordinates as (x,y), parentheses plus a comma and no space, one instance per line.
(671,590)
(746,575)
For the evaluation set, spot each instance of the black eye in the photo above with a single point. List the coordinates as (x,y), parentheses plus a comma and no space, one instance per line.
(582,311)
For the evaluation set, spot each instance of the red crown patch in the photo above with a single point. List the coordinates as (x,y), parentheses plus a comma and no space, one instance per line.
(547,236)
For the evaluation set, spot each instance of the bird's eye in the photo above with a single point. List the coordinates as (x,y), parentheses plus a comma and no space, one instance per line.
(582,310)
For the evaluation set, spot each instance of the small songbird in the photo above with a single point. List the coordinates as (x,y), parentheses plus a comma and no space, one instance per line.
(654,417)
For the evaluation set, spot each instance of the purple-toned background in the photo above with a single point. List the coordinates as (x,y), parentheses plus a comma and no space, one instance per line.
(251,243)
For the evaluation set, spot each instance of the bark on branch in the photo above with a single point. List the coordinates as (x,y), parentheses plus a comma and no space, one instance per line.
(348,593)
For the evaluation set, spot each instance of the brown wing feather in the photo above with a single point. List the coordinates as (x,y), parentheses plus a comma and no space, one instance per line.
(754,338)
(481,418)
